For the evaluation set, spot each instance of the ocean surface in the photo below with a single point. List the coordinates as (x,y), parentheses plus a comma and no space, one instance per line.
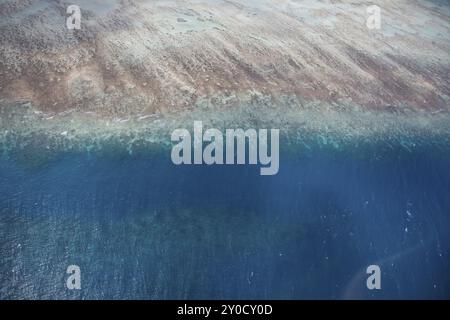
(140,227)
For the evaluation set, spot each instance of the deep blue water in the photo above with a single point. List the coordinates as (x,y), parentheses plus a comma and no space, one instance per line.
(140,227)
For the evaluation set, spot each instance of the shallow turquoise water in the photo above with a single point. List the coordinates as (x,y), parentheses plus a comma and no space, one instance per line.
(140,227)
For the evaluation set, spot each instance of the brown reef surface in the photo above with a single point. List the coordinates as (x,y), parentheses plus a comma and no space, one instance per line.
(149,56)
(138,58)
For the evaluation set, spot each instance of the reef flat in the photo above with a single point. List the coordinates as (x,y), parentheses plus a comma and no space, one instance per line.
(136,70)
(144,57)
